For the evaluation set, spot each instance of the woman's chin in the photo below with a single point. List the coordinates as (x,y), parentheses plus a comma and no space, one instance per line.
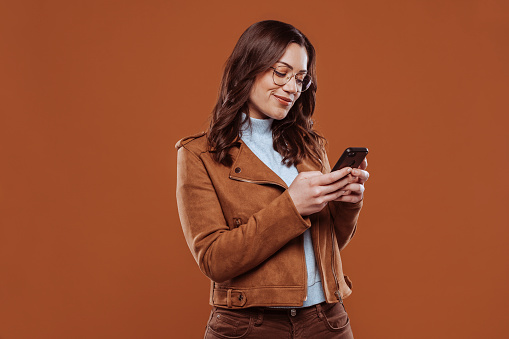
(280,115)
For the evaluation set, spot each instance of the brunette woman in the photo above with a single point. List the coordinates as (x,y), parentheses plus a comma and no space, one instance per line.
(262,214)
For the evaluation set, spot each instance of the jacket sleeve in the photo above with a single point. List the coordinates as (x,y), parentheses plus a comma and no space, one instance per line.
(222,253)
(344,215)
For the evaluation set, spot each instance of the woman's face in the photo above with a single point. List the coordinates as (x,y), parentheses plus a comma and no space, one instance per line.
(268,100)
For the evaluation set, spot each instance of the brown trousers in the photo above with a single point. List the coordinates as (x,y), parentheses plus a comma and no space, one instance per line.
(319,321)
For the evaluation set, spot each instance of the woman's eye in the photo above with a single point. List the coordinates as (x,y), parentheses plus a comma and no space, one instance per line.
(279,74)
(299,81)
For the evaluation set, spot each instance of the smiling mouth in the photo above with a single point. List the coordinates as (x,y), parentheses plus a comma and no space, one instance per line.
(283,100)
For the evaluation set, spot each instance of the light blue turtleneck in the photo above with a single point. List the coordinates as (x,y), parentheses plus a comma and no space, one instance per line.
(259,140)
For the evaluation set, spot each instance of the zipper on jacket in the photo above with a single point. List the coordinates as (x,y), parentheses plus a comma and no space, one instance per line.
(305,268)
(258,182)
(302,243)
(338,295)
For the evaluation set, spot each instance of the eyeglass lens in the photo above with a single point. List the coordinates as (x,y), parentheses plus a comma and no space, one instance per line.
(283,74)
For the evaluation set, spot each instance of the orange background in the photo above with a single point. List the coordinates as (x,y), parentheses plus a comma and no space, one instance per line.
(95,94)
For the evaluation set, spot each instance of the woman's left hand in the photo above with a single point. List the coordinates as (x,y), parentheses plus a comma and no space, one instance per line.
(355,189)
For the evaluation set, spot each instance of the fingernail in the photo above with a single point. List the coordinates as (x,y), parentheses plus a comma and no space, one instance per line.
(349,170)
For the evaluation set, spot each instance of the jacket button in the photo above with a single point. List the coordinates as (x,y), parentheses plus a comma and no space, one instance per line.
(237,222)
(237,170)
(241,297)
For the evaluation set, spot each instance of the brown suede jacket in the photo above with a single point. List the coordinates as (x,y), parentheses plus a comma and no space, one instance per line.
(244,231)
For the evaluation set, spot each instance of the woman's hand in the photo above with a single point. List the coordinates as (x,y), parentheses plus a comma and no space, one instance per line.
(311,191)
(355,188)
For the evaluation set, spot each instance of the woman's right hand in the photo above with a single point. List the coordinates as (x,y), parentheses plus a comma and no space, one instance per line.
(311,191)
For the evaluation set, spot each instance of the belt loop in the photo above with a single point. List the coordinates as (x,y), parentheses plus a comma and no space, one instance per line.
(319,311)
(259,318)
(229,298)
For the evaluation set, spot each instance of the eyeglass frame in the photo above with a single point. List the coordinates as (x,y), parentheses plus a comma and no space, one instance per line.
(290,78)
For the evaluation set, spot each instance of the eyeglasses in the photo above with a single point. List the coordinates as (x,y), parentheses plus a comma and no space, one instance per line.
(281,76)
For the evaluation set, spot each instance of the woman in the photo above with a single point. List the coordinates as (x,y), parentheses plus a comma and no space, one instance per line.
(262,214)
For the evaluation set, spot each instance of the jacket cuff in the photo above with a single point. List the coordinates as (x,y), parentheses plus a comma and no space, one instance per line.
(304,221)
(349,205)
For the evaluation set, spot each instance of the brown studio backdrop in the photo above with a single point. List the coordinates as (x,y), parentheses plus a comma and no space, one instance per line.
(95,94)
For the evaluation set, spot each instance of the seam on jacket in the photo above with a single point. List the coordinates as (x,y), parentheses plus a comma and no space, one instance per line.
(206,257)
(193,153)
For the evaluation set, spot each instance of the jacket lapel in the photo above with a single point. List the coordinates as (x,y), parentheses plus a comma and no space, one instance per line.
(248,167)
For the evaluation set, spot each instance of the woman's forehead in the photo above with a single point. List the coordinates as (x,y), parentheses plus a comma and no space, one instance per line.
(295,57)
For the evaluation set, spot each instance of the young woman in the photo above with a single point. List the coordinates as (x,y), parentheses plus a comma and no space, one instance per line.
(262,214)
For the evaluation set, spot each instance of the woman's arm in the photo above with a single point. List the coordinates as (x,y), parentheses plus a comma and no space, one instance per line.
(222,253)
(345,210)
(344,216)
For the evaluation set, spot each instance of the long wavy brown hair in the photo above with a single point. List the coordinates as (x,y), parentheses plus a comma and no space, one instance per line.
(259,47)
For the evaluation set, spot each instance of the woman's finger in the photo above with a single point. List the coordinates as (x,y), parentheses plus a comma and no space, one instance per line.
(361,174)
(352,198)
(337,186)
(329,178)
(355,188)
(334,196)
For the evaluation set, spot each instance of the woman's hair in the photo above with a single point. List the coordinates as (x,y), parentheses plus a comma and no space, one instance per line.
(259,47)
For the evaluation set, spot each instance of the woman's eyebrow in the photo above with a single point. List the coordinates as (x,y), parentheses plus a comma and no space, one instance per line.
(302,70)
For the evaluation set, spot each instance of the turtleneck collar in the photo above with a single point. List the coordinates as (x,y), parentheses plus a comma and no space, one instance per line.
(258,126)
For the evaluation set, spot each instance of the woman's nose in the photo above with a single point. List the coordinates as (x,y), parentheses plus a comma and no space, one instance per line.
(291,85)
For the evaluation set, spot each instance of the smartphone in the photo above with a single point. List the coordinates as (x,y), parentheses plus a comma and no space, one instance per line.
(351,157)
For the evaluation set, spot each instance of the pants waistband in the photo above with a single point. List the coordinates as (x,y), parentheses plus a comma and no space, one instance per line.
(293,311)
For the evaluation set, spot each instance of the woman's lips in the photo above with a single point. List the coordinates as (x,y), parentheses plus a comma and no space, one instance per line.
(283,100)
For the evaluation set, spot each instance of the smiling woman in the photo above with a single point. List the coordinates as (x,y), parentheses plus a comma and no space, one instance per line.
(274,93)
(262,213)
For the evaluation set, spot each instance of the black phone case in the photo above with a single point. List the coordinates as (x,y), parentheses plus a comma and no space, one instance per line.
(351,157)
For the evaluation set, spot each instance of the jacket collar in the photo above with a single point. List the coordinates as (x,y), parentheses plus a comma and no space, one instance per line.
(248,167)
